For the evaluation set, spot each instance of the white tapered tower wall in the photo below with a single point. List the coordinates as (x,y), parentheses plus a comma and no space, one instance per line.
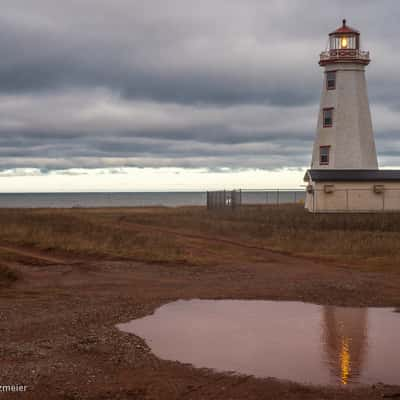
(350,137)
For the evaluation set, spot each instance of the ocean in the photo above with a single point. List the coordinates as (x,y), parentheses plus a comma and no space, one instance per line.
(135,199)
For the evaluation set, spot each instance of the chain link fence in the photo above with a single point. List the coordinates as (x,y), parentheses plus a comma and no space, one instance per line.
(240,197)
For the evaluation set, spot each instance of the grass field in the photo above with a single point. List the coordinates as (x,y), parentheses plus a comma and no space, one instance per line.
(193,235)
(68,276)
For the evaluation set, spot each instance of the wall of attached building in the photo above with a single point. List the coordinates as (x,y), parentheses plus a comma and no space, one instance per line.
(353,197)
(308,202)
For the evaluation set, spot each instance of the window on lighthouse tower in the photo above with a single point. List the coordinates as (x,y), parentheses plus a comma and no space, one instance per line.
(331,80)
(324,155)
(327,115)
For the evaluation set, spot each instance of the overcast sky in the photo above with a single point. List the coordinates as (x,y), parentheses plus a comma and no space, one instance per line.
(94,93)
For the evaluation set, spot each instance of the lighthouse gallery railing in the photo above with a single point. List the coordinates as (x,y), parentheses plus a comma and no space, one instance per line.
(345,54)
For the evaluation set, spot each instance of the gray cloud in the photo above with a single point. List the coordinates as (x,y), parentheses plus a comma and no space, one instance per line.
(94,83)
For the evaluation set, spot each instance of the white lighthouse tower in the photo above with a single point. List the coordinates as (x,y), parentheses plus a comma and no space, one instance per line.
(344,174)
(344,135)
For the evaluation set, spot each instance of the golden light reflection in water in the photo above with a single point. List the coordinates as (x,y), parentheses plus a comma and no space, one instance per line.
(345,361)
(345,342)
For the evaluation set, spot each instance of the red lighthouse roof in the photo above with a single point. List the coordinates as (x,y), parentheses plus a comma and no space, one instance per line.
(344,29)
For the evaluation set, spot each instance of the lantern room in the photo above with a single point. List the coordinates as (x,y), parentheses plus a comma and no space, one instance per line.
(344,46)
(344,38)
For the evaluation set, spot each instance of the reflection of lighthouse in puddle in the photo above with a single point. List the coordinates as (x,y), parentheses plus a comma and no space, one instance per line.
(345,341)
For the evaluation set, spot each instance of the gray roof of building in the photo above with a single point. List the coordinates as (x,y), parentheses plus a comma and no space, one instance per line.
(343,175)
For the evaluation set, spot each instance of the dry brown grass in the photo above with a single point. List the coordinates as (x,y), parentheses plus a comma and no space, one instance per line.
(164,234)
(80,232)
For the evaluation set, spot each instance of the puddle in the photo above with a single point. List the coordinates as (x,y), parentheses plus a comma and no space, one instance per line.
(301,342)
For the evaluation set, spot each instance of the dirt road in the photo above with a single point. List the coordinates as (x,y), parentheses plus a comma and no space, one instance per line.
(58,332)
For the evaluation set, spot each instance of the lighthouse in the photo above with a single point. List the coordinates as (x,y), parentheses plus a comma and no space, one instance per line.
(344,174)
(344,134)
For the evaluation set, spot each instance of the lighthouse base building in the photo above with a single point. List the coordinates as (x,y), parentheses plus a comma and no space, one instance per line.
(352,190)
(344,174)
